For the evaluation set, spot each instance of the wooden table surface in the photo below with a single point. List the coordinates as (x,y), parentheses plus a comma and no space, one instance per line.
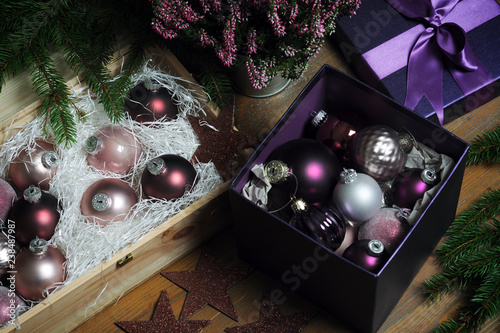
(412,314)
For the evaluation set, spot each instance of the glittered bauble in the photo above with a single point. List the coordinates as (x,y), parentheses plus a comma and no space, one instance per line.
(315,170)
(389,226)
(376,151)
(149,102)
(8,252)
(114,149)
(357,196)
(322,223)
(368,254)
(34,165)
(108,200)
(411,185)
(7,197)
(36,214)
(38,268)
(167,177)
(11,305)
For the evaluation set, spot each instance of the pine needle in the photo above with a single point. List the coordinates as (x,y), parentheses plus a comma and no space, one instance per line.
(485,148)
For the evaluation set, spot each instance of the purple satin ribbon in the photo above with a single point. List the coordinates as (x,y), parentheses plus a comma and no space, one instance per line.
(439,41)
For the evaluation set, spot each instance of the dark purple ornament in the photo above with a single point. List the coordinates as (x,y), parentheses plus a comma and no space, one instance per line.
(411,185)
(7,197)
(149,102)
(167,177)
(324,224)
(368,254)
(36,214)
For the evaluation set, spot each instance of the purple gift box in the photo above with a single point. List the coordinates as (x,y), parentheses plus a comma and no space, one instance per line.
(452,50)
(356,296)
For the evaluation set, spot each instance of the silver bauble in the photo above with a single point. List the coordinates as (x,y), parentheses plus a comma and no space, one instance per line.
(376,151)
(9,248)
(357,196)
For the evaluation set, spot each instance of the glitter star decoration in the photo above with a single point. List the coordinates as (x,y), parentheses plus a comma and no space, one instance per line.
(220,142)
(163,320)
(208,284)
(272,320)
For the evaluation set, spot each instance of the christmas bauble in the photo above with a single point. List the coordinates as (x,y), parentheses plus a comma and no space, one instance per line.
(9,248)
(108,200)
(376,151)
(315,170)
(114,149)
(34,165)
(351,235)
(36,214)
(322,223)
(411,184)
(7,197)
(149,102)
(38,268)
(11,305)
(167,177)
(357,196)
(368,254)
(389,226)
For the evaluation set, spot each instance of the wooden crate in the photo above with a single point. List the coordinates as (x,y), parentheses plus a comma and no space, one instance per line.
(88,294)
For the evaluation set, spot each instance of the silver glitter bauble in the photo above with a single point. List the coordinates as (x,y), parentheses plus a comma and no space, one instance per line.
(376,151)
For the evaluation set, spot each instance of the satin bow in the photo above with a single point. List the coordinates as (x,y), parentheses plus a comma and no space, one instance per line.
(439,41)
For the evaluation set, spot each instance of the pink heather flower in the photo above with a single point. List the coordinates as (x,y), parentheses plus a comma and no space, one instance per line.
(251,43)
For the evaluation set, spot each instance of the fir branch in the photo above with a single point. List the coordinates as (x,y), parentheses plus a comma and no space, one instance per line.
(485,148)
(217,86)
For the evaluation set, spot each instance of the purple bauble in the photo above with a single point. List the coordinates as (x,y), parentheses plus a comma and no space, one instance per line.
(34,165)
(36,214)
(11,305)
(168,177)
(8,252)
(324,224)
(315,170)
(149,102)
(38,268)
(389,226)
(108,200)
(7,197)
(411,185)
(368,254)
(114,149)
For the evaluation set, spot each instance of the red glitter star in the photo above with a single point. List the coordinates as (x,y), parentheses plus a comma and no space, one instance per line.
(163,321)
(221,146)
(208,284)
(272,320)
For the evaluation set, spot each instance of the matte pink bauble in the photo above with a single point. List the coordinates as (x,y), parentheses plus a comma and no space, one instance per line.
(411,185)
(9,248)
(389,226)
(38,268)
(34,165)
(36,214)
(7,197)
(149,102)
(11,305)
(368,254)
(167,177)
(113,148)
(108,200)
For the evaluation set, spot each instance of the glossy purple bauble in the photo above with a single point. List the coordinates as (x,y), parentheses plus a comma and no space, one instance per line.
(34,165)
(411,185)
(368,254)
(108,200)
(315,170)
(36,214)
(150,102)
(11,305)
(7,197)
(168,177)
(113,148)
(38,268)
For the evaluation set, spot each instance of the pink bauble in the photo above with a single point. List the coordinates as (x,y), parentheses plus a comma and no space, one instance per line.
(11,305)
(36,214)
(114,149)
(388,226)
(7,197)
(368,254)
(108,200)
(351,235)
(168,177)
(34,165)
(38,268)
(9,248)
